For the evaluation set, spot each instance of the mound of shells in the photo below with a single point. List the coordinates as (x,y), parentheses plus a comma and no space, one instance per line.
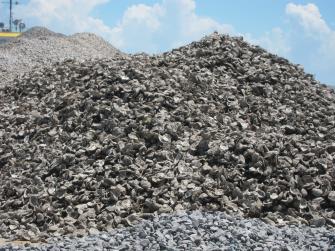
(218,125)
(41,47)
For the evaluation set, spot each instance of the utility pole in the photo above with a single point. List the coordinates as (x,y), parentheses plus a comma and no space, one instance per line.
(11,5)
(10,15)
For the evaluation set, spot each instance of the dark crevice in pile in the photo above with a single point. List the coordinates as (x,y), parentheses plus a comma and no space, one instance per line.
(216,125)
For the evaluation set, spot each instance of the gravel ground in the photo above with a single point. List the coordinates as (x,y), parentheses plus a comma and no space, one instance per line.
(197,231)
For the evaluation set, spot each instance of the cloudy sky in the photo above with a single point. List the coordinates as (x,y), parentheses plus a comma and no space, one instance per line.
(302,31)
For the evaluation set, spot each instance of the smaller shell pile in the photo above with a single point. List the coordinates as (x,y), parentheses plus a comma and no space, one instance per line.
(39,46)
(218,125)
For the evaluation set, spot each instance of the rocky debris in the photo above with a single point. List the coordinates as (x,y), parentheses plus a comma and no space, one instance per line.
(40,47)
(196,231)
(217,125)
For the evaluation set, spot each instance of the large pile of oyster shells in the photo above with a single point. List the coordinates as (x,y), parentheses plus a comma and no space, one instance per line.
(40,46)
(218,125)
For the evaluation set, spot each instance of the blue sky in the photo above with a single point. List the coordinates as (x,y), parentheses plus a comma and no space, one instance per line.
(302,31)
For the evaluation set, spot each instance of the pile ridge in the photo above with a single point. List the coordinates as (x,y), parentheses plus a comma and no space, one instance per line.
(39,47)
(40,32)
(218,125)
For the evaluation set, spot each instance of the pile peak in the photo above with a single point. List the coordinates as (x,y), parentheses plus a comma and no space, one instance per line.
(38,32)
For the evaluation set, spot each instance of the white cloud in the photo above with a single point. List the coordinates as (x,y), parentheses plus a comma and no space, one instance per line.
(309,17)
(276,41)
(167,24)
(144,15)
(312,23)
(67,16)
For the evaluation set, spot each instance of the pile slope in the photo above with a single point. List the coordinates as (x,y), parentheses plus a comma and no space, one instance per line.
(40,47)
(217,125)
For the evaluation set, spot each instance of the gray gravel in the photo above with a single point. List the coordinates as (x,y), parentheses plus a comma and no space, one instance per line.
(197,231)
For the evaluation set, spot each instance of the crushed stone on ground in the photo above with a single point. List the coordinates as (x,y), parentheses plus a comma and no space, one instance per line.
(196,231)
